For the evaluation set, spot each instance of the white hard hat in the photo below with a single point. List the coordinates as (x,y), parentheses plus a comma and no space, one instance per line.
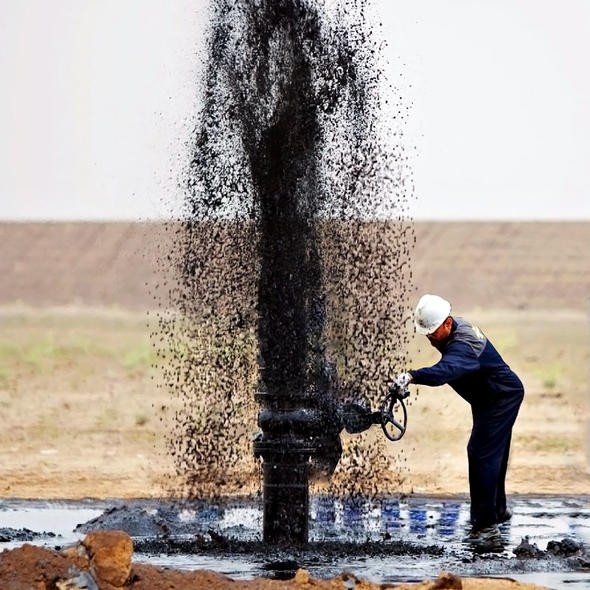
(430,313)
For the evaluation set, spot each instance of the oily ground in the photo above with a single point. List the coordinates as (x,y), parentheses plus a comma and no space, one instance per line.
(80,399)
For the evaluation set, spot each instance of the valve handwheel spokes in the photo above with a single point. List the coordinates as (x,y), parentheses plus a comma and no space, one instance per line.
(394,416)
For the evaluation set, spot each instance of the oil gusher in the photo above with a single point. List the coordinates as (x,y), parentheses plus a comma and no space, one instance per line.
(294,380)
(283,78)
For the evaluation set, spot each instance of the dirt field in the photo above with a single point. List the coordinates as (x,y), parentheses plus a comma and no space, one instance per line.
(78,391)
(79,402)
(534,266)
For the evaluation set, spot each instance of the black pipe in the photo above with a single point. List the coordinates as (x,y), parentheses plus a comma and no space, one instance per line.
(298,439)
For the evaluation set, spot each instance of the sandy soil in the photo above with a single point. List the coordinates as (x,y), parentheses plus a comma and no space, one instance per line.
(79,408)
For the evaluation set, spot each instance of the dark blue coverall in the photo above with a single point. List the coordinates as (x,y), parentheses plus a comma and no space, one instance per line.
(475,370)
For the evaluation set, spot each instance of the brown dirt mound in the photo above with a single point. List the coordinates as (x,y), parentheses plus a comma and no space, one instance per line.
(103,559)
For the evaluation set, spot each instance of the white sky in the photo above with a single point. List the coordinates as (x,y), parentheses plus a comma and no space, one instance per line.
(97,94)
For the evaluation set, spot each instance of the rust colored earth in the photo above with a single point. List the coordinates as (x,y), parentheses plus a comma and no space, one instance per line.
(104,560)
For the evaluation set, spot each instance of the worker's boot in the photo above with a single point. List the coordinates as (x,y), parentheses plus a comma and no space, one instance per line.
(504,517)
(485,539)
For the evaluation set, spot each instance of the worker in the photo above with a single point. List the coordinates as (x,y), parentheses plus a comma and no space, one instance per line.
(475,370)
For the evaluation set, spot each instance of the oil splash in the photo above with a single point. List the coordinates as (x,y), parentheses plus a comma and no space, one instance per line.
(291,263)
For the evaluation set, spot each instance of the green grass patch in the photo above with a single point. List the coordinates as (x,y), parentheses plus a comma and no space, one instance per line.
(107,419)
(5,378)
(506,342)
(553,444)
(43,345)
(49,425)
(550,375)
(140,358)
(43,355)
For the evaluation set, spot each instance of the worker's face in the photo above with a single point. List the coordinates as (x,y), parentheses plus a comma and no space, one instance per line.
(441,333)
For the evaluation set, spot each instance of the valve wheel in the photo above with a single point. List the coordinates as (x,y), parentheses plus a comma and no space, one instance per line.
(394,417)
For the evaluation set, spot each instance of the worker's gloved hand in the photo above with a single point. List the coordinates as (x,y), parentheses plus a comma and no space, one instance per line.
(401,381)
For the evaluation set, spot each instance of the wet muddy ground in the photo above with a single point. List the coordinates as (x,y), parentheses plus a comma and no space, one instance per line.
(381,539)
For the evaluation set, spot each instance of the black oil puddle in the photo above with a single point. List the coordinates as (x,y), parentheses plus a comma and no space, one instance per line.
(385,540)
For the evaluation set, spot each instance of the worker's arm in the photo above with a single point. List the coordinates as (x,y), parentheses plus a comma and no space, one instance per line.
(459,360)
